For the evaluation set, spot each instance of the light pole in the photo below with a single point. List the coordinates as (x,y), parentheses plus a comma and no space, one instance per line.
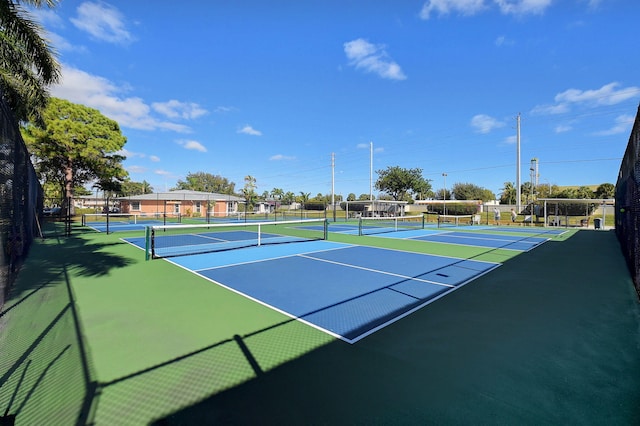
(444,193)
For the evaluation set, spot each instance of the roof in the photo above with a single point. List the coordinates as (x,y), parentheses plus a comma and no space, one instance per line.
(183,195)
(608,201)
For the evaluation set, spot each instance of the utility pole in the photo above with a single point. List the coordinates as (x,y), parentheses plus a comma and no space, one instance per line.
(518,190)
(370,171)
(333,184)
(444,195)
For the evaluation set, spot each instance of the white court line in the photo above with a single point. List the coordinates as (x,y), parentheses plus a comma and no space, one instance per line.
(406,277)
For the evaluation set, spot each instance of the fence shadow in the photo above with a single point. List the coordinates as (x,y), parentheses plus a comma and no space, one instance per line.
(46,376)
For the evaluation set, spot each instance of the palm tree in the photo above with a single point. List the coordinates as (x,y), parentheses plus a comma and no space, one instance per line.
(508,193)
(146,187)
(28,63)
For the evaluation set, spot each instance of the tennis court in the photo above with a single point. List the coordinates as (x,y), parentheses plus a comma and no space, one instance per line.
(105,337)
(344,290)
(123,222)
(475,239)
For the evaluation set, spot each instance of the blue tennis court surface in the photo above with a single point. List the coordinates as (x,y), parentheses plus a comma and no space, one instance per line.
(122,226)
(507,242)
(477,239)
(347,291)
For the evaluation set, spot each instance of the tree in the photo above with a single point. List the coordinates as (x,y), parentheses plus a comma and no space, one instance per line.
(566,193)
(136,188)
(249,191)
(399,183)
(146,187)
(364,197)
(304,198)
(289,197)
(469,191)
(206,182)
(27,63)
(546,190)
(508,193)
(78,145)
(277,194)
(351,197)
(443,194)
(584,192)
(605,190)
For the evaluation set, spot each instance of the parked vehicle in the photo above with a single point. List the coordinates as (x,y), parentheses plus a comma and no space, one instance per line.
(52,211)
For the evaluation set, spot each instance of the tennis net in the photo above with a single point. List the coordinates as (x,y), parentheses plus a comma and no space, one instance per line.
(379,225)
(445,220)
(98,219)
(181,240)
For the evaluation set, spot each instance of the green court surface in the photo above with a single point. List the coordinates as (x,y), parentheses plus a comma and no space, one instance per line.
(94,334)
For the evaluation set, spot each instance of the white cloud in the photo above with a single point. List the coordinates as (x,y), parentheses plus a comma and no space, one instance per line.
(163,173)
(504,41)
(47,17)
(550,109)
(154,158)
(372,58)
(472,7)
(280,157)
(102,21)
(606,95)
(483,123)
(97,92)
(62,45)
(609,94)
(225,109)
(623,124)
(192,145)
(562,128)
(177,109)
(248,130)
(511,140)
(129,154)
(136,169)
(368,146)
(523,7)
(444,7)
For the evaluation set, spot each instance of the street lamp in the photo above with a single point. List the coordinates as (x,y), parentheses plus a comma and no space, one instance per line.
(444,193)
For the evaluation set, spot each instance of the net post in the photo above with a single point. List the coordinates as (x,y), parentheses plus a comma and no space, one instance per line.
(147,242)
(326,230)
(423,221)
(259,234)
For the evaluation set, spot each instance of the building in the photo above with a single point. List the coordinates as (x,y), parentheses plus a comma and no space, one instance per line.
(183,203)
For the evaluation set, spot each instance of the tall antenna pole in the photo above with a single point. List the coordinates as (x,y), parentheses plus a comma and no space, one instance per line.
(370,171)
(333,184)
(518,190)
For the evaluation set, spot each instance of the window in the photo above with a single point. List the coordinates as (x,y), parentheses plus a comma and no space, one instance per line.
(198,207)
(135,206)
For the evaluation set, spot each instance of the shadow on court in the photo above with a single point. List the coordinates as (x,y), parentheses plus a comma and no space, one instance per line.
(551,337)
(45,372)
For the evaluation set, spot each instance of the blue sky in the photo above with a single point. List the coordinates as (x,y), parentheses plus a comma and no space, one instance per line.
(273,89)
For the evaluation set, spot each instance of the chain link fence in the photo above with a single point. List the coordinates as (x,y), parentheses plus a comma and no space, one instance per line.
(20,199)
(627,212)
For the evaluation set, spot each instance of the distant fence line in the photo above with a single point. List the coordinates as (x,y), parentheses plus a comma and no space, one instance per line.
(20,198)
(627,211)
